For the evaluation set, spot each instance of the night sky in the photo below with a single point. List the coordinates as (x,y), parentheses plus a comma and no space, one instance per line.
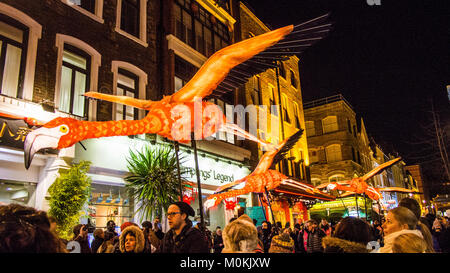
(388,61)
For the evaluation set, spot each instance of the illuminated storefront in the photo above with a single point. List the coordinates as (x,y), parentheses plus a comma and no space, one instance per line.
(342,207)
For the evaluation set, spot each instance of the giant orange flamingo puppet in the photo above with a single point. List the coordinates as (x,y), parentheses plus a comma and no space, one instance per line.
(358,185)
(263,179)
(222,73)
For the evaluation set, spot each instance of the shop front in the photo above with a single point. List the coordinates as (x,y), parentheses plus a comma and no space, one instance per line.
(335,210)
(215,171)
(17,184)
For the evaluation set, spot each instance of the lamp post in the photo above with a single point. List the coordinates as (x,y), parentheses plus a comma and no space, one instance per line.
(199,186)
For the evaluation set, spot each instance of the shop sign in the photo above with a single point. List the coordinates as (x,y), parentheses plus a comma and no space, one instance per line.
(13,132)
(212,172)
(220,178)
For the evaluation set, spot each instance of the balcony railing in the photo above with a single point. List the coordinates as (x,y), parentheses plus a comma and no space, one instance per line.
(326,100)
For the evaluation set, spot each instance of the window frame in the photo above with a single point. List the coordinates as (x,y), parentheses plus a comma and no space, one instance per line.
(23,56)
(313,127)
(328,125)
(142,39)
(34,34)
(333,157)
(202,16)
(97,15)
(62,39)
(142,77)
(74,69)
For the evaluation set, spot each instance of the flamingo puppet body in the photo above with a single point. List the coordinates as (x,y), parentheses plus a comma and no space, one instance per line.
(222,73)
(359,185)
(262,178)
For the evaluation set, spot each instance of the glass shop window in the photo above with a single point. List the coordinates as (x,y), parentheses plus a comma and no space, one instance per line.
(109,203)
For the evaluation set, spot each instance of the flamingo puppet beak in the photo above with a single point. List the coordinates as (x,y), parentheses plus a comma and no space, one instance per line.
(209,204)
(37,140)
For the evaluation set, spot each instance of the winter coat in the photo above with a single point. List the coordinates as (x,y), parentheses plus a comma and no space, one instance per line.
(190,240)
(314,240)
(336,245)
(218,244)
(106,247)
(140,239)
(266,239)
(96,243)
(154,240)
(84,244)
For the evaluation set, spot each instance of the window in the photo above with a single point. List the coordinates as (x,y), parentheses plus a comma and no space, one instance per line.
(354,130)
(282,71)
(77,63)
(13,45)
(315,181)
(90,8)
(293,79)
(353,154)
(184,71)
(31,34)
(310,129)
(333,153)
(74,80)
(349,126)
(329,124)
(285,109)
(296,116)
(256,92)
(130,81)
(313,155)
(127,85)
(129,17)
(88,5)
(131,20)
(336,178)
(272,96)
(198,28)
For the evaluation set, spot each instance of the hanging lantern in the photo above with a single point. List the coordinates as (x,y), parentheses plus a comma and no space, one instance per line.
(230,203)
(189,194)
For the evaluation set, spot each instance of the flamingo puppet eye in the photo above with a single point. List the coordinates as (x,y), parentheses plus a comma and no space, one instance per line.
(64,129)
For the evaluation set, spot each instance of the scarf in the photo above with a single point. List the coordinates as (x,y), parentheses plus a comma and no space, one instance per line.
(389,239)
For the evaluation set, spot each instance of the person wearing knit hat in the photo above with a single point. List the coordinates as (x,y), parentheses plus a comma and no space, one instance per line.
(182,236)
(282,243)
(126,224)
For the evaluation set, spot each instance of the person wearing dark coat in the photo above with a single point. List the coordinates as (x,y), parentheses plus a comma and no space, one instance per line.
(80,235)
(265,235)
(218,241)
(350,236)
(311,237)
(182,236)
(98,240)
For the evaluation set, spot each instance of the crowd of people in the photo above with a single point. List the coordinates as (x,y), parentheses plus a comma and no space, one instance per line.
(404,230)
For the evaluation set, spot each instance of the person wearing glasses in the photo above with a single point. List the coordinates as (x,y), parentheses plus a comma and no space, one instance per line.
(182,236)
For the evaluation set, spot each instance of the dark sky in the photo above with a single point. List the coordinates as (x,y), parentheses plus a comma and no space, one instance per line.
(388,61)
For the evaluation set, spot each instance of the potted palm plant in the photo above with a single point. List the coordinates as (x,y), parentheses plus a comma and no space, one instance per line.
(153,180)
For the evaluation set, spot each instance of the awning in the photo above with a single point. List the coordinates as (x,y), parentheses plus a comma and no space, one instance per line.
(293,191)
(397,189)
